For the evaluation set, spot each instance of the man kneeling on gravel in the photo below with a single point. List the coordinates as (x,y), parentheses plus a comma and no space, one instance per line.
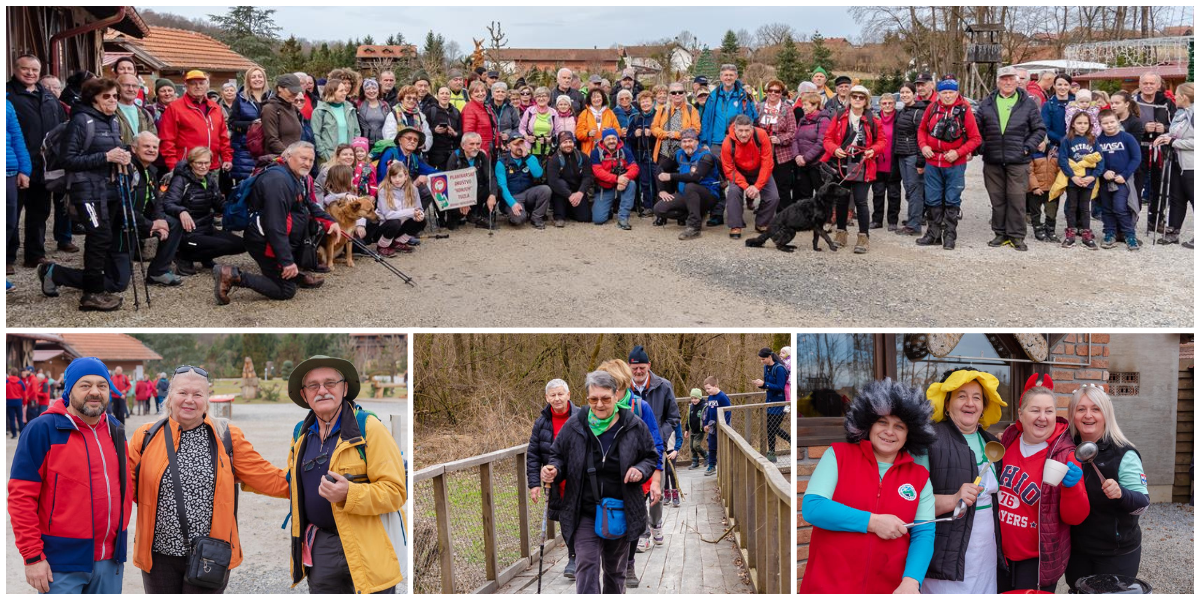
(348,487)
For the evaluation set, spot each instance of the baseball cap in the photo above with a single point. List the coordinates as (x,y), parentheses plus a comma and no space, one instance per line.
(195,74)
(700,79)
(289,82)
(925,77)
(1009,71)
(594,79)
(628,73)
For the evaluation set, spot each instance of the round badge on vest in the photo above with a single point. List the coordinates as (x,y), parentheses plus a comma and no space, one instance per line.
(908,492)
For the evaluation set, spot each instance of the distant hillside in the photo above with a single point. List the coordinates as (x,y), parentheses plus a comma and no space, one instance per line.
(161,19)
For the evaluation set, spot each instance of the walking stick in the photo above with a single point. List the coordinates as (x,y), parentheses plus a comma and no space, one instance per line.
(137,243)
(1164,187)
(120,177)
(379,258)
(542,548)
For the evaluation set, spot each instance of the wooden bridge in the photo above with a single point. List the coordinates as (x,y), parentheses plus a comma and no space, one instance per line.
(478,532)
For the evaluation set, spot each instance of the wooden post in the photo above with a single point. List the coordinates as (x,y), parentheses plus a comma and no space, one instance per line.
(487,501)
(522,502)
(445,541)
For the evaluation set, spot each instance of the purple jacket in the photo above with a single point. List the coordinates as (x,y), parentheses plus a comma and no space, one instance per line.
(810,136)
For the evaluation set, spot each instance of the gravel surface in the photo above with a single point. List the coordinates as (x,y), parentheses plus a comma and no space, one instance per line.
(565,278)
(265,545)
(1168,549)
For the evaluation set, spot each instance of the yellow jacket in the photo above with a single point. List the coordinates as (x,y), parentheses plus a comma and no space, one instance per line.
(369,552)
(691,119)
(1080,168)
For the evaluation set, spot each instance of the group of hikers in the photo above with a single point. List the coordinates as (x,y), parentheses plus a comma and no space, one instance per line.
(75,479)
(922,498)
(28,393)
(99,155)
(610,511)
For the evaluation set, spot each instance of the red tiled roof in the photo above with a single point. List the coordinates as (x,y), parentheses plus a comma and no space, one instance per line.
(586,55)
(109,346)
(377,51)
(181,49)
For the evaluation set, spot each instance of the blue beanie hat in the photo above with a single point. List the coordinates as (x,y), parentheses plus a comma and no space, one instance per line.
(637,356)
(614,133)
(80,367)
(947,84)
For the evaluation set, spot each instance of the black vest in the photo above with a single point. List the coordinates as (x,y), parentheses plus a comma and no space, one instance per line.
(951,464)
(1108,530)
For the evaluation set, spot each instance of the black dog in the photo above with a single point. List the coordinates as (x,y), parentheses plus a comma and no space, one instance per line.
(807,214)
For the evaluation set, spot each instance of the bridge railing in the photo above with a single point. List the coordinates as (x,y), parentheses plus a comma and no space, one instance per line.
(757,499)
(685,453)
(474,526)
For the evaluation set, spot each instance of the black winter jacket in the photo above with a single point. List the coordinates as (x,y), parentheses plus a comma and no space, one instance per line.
(1162,107)
(633,447)
(202,200)
(569,174)
(1025,131)
(443,143)
(483,172)
(951,464)
(38,112)
(904,130)
(277,195)
(538,455)
(147,203)
(90,171)
(660,395)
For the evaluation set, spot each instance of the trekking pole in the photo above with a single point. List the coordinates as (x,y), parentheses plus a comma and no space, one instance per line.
(120,177)
(542,548)
(137,242)
(1164,209)
(379,259)
(492,220)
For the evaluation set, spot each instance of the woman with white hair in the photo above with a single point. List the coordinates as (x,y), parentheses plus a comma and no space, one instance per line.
(1109,540)
(555,414)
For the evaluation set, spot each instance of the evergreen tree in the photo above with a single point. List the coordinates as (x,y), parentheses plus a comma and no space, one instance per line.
(705,65)
(251,32)
(291,55)
(368,41)
(822,56)
(731,51)
(433,55)
(788,68)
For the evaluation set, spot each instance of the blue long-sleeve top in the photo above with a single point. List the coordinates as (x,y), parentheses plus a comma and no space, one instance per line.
(819,509)
(775,378)
(535,169)
(1074,149)
(715,401)
(1122,153)
(642,409)
(16,155)
(678,437)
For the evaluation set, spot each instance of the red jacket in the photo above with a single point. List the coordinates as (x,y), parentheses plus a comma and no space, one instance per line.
(31,387)
(121,384)
(841,562)
(1036,92)
(740,160)
(605,162)
(14,388)
(482,120)
(1031,510)
(64,492)
(874,141)
(143,390)
(964,145)
(187,124)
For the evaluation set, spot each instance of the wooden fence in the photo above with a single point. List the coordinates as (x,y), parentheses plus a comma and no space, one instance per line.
(758,502)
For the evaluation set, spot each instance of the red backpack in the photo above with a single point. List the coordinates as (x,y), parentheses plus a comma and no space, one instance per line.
(254,139)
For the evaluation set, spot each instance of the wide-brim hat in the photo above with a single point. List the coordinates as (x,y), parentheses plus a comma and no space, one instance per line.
(939,391)
(408,128)
(343,366)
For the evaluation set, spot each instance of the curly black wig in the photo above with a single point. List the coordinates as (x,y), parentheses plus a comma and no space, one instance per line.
(881,398)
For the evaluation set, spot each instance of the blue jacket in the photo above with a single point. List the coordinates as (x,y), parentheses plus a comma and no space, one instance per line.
(720,110)
(535,173)
(623,115)
(641,409)
(774,379)
(1075,148)
(244,113)
(416,165)
(642,147)
(710,413)
(1054,117)
(16,155)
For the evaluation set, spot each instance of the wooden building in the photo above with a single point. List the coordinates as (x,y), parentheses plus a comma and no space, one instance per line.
(114,349)
(166,52)
(67,39)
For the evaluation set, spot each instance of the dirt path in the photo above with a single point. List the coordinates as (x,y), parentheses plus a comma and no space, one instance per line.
(265,544)
(586,276)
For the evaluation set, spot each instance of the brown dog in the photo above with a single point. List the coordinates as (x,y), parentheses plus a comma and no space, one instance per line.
(346,211)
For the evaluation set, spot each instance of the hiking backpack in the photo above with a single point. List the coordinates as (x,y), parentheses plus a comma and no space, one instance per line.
(236,214)
(58,180)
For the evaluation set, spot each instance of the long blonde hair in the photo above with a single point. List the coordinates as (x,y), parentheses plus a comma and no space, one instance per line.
(387,191)
(266,84)
(1112,431)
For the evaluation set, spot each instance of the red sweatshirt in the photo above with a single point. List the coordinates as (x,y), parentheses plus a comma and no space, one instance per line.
(557,421)
(738,159)
(1021,490)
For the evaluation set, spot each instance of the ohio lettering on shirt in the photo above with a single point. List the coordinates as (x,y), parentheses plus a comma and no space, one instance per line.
(1020,491)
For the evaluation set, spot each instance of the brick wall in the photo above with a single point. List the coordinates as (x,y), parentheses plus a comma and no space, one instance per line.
(1092,368)
(806,460)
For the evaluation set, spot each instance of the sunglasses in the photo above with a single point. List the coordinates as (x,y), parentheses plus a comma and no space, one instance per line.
(110,96)
(676,93)
(320,460)
(526,94)
(774,91)
(185,368)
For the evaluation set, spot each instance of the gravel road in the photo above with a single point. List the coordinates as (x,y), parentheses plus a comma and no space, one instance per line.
(1168,549)
(265,549)
(566,278)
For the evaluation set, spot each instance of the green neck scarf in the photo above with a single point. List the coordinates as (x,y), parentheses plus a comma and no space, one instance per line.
(598,425)
(626,402)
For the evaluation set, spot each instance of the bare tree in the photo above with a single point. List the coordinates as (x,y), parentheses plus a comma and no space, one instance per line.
(746,39)
(773,34)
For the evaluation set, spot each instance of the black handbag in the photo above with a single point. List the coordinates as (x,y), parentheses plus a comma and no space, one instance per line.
(208,558)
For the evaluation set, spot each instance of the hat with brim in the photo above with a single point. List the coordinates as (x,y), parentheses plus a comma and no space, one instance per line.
(939,392)
(341,365)
(408,128)
(195,74)
(842,80)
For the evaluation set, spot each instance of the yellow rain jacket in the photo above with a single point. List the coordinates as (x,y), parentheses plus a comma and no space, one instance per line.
(369,552)
(1079,167)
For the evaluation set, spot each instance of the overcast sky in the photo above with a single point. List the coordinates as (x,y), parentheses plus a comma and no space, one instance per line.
(534,27)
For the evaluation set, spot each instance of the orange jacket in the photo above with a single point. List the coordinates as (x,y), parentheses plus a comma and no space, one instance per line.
(691,119)
(251,468)
(587,131)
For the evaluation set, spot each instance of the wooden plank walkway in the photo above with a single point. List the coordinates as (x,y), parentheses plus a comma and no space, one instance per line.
(683,564)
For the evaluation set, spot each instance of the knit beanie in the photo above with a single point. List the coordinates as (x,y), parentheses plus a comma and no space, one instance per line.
(604,135)
(161,82)
(81,367)
(696,393)
(637,356)
(947,84)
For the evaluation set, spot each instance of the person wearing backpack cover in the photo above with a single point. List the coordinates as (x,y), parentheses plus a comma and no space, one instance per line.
(69,491)
(347,479)
(208,456)
(947,136)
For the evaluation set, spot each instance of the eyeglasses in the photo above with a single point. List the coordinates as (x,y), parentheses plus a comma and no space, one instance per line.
(320,460)
(109,96)
(316,386)
(185,368)
(676,93)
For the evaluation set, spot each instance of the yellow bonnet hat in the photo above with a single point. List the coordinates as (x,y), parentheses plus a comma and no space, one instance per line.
(938,391)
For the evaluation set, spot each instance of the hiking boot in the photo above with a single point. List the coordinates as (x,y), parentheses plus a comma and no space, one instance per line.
(225,278)
(876,225)
(68,247)
(771,457)
(1050,235)
(660,221)
(103,301)
(863,244)
(49,288)
(1190,244)
(1089,239)
(32,263)
(735,233)
(892,227)
(997,241)
(933,232)
(711,470)
(185,268)
(167,279)
(1109,242)
(906,230)
(631,578)
(1019,245)
(560,223)
(309,281)
(387,251)
(1170,237)
(1068,238)
(675,498)
(623,225)
(689,234)
(539,225)
(840,238)
(1133,244)
(695,463)
(569,572)
(1039,233)
(950,218)
(658,535)
(715,221)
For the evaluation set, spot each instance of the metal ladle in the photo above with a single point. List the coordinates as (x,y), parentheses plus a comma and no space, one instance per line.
(993,452)
(1086,453)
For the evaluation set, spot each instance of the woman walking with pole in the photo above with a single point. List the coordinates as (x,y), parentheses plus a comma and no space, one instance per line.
(558,410)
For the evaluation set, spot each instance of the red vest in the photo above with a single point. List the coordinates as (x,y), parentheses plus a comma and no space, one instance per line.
(862,563)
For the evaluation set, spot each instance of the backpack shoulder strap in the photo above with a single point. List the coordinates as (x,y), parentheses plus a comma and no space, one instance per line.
(222,426)
(360,416)
(153,431)
(117,431)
